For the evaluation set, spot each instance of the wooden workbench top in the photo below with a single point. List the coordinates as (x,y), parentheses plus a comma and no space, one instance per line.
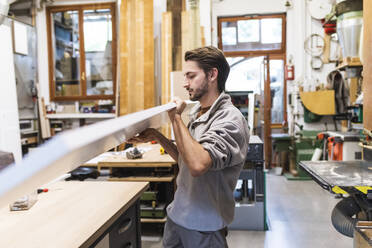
(151,158)
(71,214)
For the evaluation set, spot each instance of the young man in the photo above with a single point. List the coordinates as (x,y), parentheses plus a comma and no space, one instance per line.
(210,152)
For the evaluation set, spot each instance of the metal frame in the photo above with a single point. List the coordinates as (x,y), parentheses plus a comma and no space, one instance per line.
(70,149)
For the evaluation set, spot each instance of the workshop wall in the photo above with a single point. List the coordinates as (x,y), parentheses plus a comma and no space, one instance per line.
(10,140)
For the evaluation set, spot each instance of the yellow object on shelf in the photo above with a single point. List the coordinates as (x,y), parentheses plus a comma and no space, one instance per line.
(319,102)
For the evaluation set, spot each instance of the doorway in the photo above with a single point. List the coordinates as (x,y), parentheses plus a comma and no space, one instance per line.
(255,49)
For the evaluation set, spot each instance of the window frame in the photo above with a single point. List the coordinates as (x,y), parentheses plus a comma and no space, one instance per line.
(221,19)
(82,82)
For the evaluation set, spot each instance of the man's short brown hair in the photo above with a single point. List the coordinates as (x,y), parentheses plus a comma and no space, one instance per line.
(210,57)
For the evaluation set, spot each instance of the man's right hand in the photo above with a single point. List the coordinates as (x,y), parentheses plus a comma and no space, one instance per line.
(180,107)
(146,136)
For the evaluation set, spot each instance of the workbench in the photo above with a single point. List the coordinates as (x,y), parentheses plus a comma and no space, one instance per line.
(152,159)
(77,214)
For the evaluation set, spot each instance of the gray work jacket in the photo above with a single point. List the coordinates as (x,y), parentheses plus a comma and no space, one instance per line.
(206,203)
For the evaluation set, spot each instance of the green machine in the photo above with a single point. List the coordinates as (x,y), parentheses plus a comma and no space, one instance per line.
(150,206)
(302,147)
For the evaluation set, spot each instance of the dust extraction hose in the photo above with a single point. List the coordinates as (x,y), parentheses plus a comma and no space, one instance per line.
(342,216)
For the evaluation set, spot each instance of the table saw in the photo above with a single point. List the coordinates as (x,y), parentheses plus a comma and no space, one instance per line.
(352,178)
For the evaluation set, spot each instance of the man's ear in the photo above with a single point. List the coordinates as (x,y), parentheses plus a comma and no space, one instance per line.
(212,74)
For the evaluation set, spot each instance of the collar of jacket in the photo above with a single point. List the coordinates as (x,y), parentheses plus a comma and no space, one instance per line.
(222,98)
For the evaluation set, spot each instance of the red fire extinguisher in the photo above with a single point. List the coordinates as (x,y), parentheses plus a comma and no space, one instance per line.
(289,70)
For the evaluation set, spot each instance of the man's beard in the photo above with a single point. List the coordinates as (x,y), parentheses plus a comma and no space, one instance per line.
(200,92)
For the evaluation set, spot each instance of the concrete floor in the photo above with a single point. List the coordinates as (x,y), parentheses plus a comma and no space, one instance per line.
(299,215)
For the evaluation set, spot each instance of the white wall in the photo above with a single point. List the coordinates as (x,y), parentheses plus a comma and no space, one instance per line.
(205,8)
(10,140)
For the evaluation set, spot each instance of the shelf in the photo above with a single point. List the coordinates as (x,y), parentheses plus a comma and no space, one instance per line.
(29,132)
(135,164)
(349,62)
(153,220)
(143,179)
(62,25)
(66,80)
(81,116)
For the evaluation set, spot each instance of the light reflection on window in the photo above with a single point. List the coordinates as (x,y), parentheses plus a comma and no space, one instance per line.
(249,31)
(271,30)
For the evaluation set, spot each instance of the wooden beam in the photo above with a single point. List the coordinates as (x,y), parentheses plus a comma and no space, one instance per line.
(176,7)
(190,22)
(137,90)
(70,149)
(149,59)
(267,114)
(367,64)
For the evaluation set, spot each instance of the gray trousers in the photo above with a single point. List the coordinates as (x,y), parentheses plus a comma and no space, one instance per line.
(176,236)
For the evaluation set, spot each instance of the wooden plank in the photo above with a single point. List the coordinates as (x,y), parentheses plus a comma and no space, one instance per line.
(176,7)
(151,158)
(166,58)
(367,64)
(116,162)
(190,22)
(52,221)
(202,36)
(149,60)
(143,179)
(327,48)
(137,89)
(353,89)
(267,115)
(125,8)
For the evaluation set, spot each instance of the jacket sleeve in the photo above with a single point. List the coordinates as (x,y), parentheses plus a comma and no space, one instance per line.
(226,143)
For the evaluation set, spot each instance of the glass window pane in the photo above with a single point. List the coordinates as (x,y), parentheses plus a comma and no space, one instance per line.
(276,86)
(66,53)
(249,31)
(251,35)
(245,74)
(228,33)
(271,30)
(98,51)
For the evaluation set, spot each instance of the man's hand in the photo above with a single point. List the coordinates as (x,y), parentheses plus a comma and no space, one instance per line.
(180,107)
(146,136)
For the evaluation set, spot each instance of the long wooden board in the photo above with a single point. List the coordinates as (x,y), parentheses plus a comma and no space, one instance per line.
(70,149)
